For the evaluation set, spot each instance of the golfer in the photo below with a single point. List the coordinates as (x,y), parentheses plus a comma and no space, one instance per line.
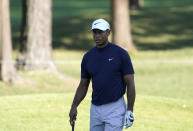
(110,69)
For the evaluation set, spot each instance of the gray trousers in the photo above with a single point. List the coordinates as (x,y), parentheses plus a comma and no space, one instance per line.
(108,117)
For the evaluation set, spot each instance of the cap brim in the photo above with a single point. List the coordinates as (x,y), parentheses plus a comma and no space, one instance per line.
(98,29)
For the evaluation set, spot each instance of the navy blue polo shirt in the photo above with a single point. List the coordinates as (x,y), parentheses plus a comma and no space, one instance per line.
(106,67)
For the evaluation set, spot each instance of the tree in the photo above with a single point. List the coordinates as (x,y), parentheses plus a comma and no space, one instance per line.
(121,24)
(7,70)
(38,29)
(36,38)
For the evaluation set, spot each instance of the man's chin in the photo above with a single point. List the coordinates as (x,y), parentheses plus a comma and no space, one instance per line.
(100,44)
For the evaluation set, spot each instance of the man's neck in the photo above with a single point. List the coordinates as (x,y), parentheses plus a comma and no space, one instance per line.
(103,45)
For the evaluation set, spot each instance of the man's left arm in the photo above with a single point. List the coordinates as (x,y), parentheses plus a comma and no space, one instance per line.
(129,80)
(129,119)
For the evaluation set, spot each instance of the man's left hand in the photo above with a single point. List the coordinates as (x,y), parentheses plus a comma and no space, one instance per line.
(129,119)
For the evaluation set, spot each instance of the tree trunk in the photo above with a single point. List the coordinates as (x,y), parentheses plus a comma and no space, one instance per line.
(7,70)
(121,24)
(39,36)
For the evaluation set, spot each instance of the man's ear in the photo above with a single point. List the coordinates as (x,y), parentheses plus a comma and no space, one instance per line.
(108,32)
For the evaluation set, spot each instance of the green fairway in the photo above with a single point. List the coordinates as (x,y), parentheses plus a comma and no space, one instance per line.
(163,63)
(156,74)
(49,112)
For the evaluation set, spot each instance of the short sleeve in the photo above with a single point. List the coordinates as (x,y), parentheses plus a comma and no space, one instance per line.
(84,71)
(126,66)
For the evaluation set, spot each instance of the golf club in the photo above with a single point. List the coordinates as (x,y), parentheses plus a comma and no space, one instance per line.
(73,124)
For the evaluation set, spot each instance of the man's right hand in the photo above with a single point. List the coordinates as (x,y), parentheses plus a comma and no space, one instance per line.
(73,114)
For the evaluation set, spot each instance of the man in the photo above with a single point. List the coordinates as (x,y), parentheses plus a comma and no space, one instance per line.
(111,71)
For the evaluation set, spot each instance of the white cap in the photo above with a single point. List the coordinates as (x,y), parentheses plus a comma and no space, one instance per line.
(100,24)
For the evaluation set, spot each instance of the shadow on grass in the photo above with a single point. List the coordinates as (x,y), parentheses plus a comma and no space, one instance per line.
(152,28)
(72,33)
(71,22)
(161,29)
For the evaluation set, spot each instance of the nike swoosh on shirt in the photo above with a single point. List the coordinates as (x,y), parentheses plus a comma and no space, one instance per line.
(110,59)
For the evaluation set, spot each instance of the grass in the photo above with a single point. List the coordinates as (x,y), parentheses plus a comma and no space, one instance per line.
(156,74)
(160,25)
(34,116)
(49,112)
(162,33)
(164,96)
(163,79)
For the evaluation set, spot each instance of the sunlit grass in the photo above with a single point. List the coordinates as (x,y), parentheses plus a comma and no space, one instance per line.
(50,112)
(161,73)
(183,54)
(164,79)
(163,38)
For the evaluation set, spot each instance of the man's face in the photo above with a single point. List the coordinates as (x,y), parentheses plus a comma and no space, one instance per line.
(100,37)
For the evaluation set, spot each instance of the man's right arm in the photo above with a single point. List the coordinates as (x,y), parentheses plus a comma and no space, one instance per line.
(79,96)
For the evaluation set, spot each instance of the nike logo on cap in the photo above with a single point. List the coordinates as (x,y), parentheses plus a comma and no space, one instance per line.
(97,23)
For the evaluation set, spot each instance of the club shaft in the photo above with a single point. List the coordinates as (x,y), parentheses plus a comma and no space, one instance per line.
(73,127)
